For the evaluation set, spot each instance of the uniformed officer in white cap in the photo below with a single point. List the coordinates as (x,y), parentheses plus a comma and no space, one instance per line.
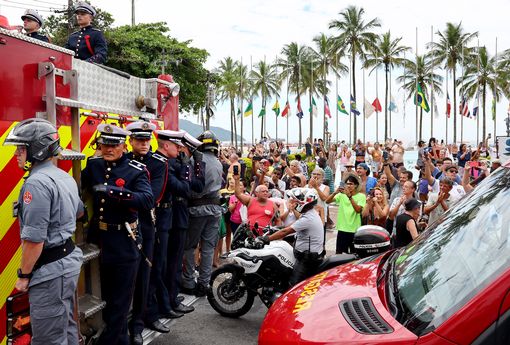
(120,189)
(32,22)
(157,165)
(88,43)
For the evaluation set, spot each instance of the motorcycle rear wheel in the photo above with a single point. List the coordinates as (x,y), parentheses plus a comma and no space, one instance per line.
(228,294)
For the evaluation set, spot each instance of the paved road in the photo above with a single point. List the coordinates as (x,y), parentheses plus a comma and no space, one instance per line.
(205,326)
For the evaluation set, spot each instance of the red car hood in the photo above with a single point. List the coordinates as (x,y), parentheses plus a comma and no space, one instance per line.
(310,312)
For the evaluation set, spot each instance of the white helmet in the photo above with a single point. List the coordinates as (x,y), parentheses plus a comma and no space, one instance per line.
(304,197)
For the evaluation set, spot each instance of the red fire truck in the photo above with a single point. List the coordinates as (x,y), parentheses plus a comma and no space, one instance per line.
(38,79)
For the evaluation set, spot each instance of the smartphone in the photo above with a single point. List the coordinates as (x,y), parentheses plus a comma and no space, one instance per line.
(371,193)
(236,169)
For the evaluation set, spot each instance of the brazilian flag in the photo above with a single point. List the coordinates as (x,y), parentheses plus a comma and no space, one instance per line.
(421,100)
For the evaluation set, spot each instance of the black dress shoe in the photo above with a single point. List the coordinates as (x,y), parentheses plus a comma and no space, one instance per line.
(200,290)
(181,308)
(136,339)
(158,327)
(173,314)
(180,298)
(187,291)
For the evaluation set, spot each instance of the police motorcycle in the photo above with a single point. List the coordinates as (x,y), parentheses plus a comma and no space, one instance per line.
(264,270)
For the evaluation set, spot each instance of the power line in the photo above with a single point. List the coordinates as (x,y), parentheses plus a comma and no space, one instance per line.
(30,5)
(25,8)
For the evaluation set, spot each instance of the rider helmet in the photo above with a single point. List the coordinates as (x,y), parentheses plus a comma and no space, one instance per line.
(40,138)
(209,142)
(304,197)
(370,240)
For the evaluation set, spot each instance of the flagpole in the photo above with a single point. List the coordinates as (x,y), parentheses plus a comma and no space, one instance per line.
(287,116)
(241,109)
(324,135)
(447,115)
(276,116)
(377,97)
(416,88)
(253,110)
(364,107)
(462,115)
(494,95)
(350,106)
(311,96)
(432,87)
(405,76)
(478,98)
(391,111)
(336,99)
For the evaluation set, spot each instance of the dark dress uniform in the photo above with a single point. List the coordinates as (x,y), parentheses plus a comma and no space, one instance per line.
(38,36)
(178,183)
(157,167)
(88,44)
(120,189)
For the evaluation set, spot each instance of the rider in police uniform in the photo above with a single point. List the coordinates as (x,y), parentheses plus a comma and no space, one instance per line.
(120,188)
(88,43)
(156,164)
(205,212)
(32,22)
(47,208)
(177,236)
(158,302)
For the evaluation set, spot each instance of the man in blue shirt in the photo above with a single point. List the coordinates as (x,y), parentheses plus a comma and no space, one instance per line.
(367,182)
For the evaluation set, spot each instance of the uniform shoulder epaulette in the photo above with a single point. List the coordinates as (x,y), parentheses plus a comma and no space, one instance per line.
(136,165)
(91,158)
(76,32)
(94,29)
(160,157)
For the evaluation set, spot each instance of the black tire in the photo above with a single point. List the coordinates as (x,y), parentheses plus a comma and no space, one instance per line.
(228,294)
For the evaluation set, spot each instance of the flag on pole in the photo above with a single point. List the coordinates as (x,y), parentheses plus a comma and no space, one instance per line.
(249,109)
(369,109)
(238,112)
(326,107)
(276,108)
(353,107)
(448,105)
(420,99)
(393,105)
(493,108)
(262,112)
(341,106)
(300,111)
(377,105)
(286,110)
(313,108)
(463,108)
(475,107)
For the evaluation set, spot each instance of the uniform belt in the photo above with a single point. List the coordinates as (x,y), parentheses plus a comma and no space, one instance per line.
(164,204)
(109,227)
(181,199)
(204,201)
(52,254)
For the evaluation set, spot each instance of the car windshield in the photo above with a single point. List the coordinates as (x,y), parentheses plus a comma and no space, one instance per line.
(456,258)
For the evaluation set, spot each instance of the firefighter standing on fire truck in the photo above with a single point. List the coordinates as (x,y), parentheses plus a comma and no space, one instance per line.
(157,165)
(47,208)
(32,22)
(120,188)
(88,43)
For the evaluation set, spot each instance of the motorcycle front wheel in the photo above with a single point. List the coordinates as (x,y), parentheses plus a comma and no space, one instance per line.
(228,294)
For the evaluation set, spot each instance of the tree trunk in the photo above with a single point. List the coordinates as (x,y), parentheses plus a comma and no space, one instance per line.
(311,114)
(483,109)
(355,127)
(262,118)
(232,120)
(300,134)
(454,105)
(386,103)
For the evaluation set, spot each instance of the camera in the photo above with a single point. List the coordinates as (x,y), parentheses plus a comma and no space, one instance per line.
(371,192)
(236,169)
(427,150)
(385,155)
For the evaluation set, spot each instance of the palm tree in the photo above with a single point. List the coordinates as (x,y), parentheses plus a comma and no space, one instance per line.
(293,57)
(386,52)
(420,72)
(265,83)
(327,60)
(482,74)
(243,93)
(356,38)
(228,90)
(450,50)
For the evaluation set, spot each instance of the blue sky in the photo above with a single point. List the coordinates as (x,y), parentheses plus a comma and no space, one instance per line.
(259,29)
